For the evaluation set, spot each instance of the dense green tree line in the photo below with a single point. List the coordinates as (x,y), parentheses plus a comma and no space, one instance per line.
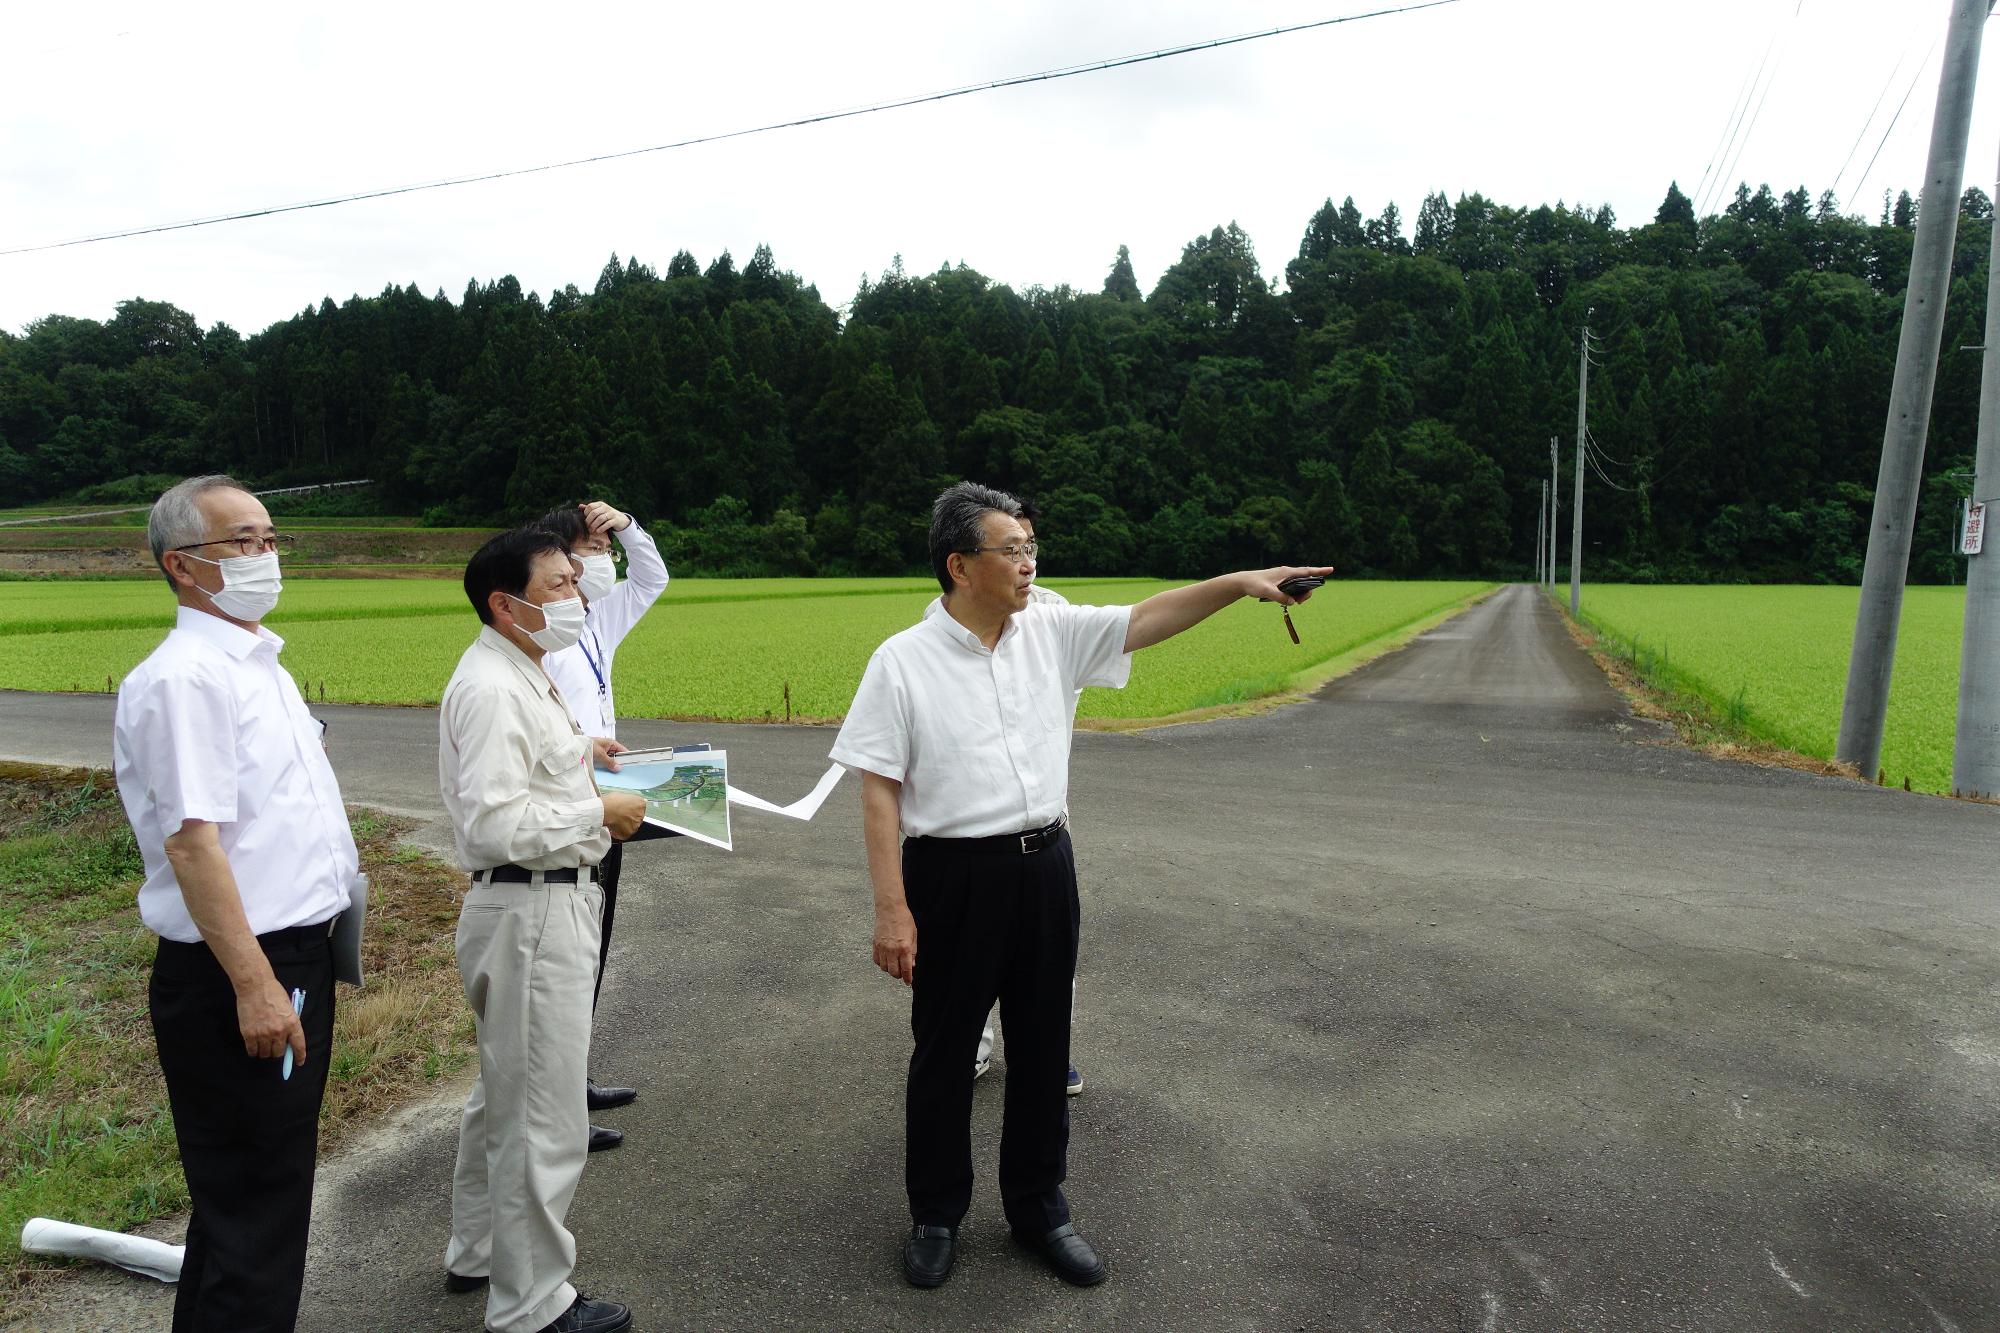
(1386,406)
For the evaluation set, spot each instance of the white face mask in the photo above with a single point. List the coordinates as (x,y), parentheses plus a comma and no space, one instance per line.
(600,576)
(250,585)
(563,627)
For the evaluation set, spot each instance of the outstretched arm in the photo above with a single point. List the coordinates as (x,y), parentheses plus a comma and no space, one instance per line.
(1166,614)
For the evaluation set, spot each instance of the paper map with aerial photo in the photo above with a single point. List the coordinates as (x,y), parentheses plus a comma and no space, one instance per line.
(688,793)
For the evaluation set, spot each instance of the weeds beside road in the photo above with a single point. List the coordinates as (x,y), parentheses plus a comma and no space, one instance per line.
(85,1132)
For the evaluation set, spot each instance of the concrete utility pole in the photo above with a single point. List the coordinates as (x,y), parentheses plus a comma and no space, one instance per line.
(1541,532)
(1901,475)
(1555,508)
(1975,758)
(1576,496)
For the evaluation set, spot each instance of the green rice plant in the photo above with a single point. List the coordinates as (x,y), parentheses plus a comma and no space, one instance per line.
(1772,663)
(713,648)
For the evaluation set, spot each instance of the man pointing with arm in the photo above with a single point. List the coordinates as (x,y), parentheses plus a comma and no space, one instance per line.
(960,731)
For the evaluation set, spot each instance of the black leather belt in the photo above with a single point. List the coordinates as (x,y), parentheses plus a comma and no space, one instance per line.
(511,874)
(290,937)
(285,937)
(1027,844)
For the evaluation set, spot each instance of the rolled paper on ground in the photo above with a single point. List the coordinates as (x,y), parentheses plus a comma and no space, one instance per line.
(151,1258)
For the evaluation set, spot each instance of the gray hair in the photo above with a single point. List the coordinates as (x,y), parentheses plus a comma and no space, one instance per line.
(958,518)
(176,517)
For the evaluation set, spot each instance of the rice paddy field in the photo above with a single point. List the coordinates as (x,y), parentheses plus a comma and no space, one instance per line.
(1773,661)
(712,648)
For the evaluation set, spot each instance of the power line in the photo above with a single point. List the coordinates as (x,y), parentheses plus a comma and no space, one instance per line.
(1592,454)
(1729,126)
(1598,449)
(1749,128)
(1049,75)
(1886,85)
(1715,181)
(1914,80)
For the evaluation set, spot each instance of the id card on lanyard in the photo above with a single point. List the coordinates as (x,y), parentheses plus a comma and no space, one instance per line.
(597,670)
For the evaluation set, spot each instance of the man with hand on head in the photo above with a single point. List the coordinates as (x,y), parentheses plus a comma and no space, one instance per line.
(248,862)
(960,731)
(531,828)
(582,673)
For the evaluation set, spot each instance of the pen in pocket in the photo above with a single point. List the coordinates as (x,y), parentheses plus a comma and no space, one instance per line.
(299,1008)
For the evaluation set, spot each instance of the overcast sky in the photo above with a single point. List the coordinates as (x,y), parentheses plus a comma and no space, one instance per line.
(125,115)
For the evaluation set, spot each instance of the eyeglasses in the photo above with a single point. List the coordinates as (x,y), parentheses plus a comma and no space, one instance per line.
(277,541)
(1017,553)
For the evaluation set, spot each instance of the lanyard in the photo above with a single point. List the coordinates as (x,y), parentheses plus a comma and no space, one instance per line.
(603,687)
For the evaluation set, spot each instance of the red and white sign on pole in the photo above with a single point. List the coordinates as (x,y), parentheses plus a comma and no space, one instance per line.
(1975,529)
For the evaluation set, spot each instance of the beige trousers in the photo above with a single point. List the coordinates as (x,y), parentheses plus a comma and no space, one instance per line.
(527,954)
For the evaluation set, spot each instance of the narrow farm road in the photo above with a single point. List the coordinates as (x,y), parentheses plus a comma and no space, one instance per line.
(1453,998)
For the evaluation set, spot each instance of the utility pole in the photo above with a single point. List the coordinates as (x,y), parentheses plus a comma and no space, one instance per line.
(1576,496)
(1901,474)
(1555,508)
(1541,532)
(1975,757)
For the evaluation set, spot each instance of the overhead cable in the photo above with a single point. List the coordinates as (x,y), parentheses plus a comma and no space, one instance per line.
(1736,109)
(1749,127)
(1887,83)
(1591,436)
(1591,455)
(1914,79)
(1068,71)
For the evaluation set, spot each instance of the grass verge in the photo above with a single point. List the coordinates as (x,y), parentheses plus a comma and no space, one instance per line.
(85,1133)
(1716,727)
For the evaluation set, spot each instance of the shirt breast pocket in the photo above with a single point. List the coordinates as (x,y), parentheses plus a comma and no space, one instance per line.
(565,756)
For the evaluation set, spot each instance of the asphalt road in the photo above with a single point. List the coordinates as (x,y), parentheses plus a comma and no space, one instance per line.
(1453,998)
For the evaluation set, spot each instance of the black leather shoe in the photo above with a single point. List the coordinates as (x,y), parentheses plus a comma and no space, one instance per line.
(1069,1254)
(459,1283)
(602,1098)
(588,1316)
(927,1255)
(602,1139)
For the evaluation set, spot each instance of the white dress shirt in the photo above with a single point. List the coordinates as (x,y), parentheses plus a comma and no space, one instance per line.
(980,738)
(582,672)
(210,727)
(512,766)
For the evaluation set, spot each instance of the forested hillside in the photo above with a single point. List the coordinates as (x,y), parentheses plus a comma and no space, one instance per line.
(1385,405)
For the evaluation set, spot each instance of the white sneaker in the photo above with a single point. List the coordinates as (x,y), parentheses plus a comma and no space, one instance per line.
(980,1066)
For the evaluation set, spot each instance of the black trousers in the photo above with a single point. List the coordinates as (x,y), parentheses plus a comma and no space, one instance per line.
(991,923)
(607,879)
(249,1138)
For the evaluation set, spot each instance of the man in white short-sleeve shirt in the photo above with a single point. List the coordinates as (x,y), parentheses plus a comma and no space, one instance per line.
(248,861)
(960,731)
(982,1056)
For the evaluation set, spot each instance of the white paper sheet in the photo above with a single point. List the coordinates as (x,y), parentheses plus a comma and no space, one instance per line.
(804,808)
